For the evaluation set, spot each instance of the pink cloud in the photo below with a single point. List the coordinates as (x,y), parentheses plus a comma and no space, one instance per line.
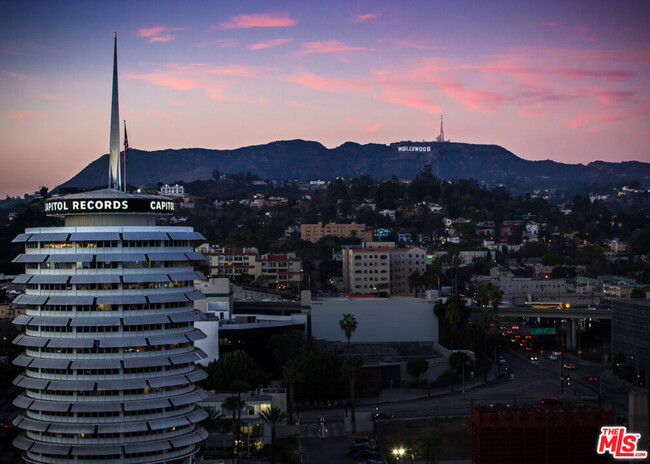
(17,75)
(332,46)
(574,73)
(578,121)
(159,33)
(258,20)
(474,100)
(611,116)
(550,24)
(610,97)
(365,17)
(222,43)
(296,104)
(373,128)
(325,84)
(409,44)
(166,80)
(533,113)
(162,38)
(23,115)
(268,44)
(178,102)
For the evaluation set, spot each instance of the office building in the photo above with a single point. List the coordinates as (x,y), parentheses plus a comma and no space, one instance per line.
(109,331)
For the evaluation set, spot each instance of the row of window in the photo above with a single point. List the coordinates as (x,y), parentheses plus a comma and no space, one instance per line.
(110,244)
(139,412)
(98,393)
(112,286)
(132,370)
(44,331)
(102,350)
(104,307)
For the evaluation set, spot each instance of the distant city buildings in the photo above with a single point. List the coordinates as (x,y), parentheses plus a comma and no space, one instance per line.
(314,232)
(272,270)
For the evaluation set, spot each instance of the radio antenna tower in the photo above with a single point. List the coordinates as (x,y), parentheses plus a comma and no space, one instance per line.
(441,137)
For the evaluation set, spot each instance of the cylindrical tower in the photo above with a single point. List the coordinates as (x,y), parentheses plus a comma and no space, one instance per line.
(109,335)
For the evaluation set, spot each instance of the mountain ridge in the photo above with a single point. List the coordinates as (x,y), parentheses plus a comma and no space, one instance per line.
(304,160)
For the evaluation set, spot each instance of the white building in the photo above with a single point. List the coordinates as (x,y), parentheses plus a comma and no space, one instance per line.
(172,190)
(109,332)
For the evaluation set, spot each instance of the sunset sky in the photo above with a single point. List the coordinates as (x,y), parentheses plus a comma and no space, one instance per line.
(561,80)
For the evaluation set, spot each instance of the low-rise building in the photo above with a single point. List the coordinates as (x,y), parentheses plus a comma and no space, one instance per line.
(172,190)
(374,269)
(314,232)
(279,270)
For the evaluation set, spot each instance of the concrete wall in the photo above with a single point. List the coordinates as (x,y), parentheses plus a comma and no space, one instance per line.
(379,319)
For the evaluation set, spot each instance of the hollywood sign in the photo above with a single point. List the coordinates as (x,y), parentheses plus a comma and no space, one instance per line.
(413,148)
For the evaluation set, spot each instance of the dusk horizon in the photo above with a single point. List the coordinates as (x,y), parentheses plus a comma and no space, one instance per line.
(567,83)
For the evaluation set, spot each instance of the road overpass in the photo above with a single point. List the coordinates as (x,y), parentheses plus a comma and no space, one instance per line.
(572,315)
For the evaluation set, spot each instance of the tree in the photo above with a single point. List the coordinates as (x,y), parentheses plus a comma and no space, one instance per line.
(415,281)
(235,405)
(483,294)
(485,320)
(215,420)
(351,367)
(416,367)
(273,416)
(290,375)
(232,367)
(428,447)
(348,325)
(458,359)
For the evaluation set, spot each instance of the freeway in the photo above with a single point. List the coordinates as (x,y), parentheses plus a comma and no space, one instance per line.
(564,313)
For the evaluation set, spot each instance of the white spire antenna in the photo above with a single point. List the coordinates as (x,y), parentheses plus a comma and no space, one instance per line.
(114,175)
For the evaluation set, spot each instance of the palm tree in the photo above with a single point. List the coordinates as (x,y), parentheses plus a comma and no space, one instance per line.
(496,294)
(273,416)
(348,325)
(483,294)
(214,421)
(235,405)
(454,314)
(351,367)
(290,375)
(485,320)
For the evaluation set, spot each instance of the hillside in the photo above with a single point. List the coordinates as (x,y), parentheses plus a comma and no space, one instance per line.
(304,160)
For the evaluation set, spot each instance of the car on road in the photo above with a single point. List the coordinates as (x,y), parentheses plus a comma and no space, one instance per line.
(592,378)
(380,415)
(550,401)
(532,357)
(569,366)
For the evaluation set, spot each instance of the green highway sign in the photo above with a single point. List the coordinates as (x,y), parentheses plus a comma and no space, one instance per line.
(543,331)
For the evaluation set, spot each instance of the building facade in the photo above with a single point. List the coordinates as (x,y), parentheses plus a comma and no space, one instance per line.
(314,232)
(630,322)
(275,270)
(373,270)
(109,330)
(109,345)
